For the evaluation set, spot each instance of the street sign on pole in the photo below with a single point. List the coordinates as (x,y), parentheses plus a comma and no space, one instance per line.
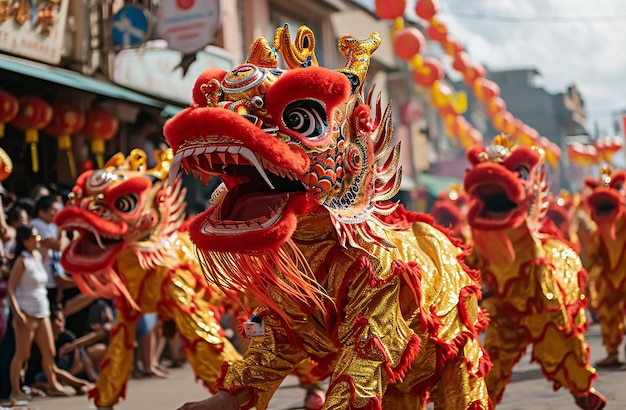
(131,26)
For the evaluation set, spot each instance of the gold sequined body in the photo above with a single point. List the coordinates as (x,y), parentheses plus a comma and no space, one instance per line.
(388,301)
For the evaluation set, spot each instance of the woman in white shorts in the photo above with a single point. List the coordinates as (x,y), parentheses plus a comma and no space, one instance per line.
(31,312)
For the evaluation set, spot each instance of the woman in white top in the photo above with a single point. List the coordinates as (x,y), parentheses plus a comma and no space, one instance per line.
(31,311)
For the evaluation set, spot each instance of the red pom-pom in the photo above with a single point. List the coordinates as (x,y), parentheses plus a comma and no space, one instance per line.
(426,9)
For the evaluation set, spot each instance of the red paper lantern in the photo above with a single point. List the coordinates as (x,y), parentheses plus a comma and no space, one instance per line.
(8,109)
(437,31)
(461,62)
(485,89)
(495,105)
(33,115)
(426,9)
(428,73)
(390,9)
(504,122)
(452,48)
(408,43)
(473,73)
(66,120)
(6,165)
(100,126)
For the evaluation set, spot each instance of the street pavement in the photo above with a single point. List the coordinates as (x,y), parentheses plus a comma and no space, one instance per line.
(527,390)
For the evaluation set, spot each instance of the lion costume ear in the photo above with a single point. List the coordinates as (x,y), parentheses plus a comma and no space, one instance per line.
(473,154)
(199,89)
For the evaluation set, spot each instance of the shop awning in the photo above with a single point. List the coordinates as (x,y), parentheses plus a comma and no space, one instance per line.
(434,184)
(78,81)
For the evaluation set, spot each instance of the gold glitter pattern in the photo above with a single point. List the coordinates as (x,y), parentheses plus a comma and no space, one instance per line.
(381,315)
(538,302)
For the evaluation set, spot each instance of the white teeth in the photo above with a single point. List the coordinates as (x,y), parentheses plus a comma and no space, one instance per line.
(247,154)
(174,168)
(221,150)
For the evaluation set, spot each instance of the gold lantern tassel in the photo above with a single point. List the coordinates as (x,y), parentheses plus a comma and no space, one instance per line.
(97,148)
(32,138)
(65,144)
(1,130)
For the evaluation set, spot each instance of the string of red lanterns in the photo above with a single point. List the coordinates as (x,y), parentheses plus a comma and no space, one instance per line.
(485,90)
(427,72)
(602,150)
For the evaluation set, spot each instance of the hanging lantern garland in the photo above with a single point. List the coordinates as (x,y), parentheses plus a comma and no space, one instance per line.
(484,89)
(33,115)
(100,126)
(8,109)
(601,151)
(66,120)
(427,72)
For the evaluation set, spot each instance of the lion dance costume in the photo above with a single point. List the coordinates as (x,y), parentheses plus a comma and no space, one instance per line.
(377,296)
(129,248)
(536,277)
(606,207)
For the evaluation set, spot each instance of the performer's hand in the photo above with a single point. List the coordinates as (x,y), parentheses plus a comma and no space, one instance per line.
(223,400)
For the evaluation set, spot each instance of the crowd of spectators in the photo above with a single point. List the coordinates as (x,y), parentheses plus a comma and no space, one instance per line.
(52,336)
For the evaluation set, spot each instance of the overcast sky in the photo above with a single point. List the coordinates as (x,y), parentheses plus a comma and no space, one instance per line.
(580,42)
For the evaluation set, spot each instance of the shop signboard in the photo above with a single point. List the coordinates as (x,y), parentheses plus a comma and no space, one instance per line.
(188,25)
(35,30)
(156,70)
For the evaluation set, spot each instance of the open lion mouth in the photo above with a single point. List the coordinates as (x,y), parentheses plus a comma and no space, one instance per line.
(492,205)
(604,206)
(257,191)
(92,247)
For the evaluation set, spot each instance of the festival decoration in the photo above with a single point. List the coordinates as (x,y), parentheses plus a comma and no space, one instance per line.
(537,278)
(6,165)
(484,89)
(599,152)
(304,226)
(66,120)
(33,115)
(132,247)
(9,106)
(428,73)
(100,126)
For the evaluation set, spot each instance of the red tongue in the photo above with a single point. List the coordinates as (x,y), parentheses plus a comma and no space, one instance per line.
(254,206)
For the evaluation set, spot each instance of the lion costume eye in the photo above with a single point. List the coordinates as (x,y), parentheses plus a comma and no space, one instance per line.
(523,172)
(127,203)
(307,118)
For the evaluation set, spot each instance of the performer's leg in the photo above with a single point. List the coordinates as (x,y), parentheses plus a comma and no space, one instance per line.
(505,342)
(564,360)
(611,314)
(459,389)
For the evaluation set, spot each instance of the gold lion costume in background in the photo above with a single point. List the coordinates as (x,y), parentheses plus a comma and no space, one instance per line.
(536,277)
(130,248)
